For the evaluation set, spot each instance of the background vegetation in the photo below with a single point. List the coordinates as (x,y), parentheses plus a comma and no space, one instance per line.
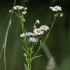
(57,45)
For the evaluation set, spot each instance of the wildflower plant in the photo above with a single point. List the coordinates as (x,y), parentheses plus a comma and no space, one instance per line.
(32,38)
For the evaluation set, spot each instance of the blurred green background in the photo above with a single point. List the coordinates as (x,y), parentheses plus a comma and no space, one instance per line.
(57,44)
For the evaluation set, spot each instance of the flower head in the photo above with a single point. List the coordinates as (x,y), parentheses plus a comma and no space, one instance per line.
(23,34)
(37,21)
(34,26)
(24,12)
(25,8)
(32,39)
(18,7)
(27,34)
(44,27)
(61,14)
(56,8)
(38,31)
(31,34)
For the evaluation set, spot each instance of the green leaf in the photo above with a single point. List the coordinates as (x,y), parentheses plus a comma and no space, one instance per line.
(29,60)
(24,49)
(41,43)
(31,50)
(26,67)
(36,57)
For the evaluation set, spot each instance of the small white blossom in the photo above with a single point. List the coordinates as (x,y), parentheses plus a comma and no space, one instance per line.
(61,14)
(37,21)
(18,7)
(27,34)
(38,31)
(23,34)
(24,12)
(32,39)
(30,34)
(44,27)
(56,8)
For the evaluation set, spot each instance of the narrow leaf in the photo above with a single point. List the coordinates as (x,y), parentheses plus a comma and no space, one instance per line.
(36,57)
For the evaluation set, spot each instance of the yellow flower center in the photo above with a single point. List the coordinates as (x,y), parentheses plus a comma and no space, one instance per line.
(44,27)
(56,8)
(38,31)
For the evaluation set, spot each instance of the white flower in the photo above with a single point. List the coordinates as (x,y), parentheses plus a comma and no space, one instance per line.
(61,14)
(56,8)
(44,27)
(38,31)
(37,21)
(18,7)
(27,34)
(30,34)
(23,34)
(32,39)
(24,12)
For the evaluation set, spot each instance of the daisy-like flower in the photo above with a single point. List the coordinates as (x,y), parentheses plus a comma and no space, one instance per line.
(32,39)
(44,27)
(37,21)
(18,7)
(23,34)
(38,31)
(30,34)
(56,8)
(24,12)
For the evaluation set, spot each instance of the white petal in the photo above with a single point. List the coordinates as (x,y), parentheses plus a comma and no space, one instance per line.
(38,33)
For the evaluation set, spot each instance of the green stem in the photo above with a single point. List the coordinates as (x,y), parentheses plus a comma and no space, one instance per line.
(5,40)
(30,61)
(50,28)
(46,36)
(22,25)
(31,51)
(16,14)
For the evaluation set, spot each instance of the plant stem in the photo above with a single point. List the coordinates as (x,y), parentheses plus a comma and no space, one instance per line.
(50,28)
(30,61)
(5,40)
(46,35)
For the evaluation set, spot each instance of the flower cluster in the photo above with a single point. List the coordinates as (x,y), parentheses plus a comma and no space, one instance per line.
(36,32)
(31,38)
(17,7)
(57,9)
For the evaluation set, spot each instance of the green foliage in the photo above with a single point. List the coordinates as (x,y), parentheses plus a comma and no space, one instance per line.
(59,37)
